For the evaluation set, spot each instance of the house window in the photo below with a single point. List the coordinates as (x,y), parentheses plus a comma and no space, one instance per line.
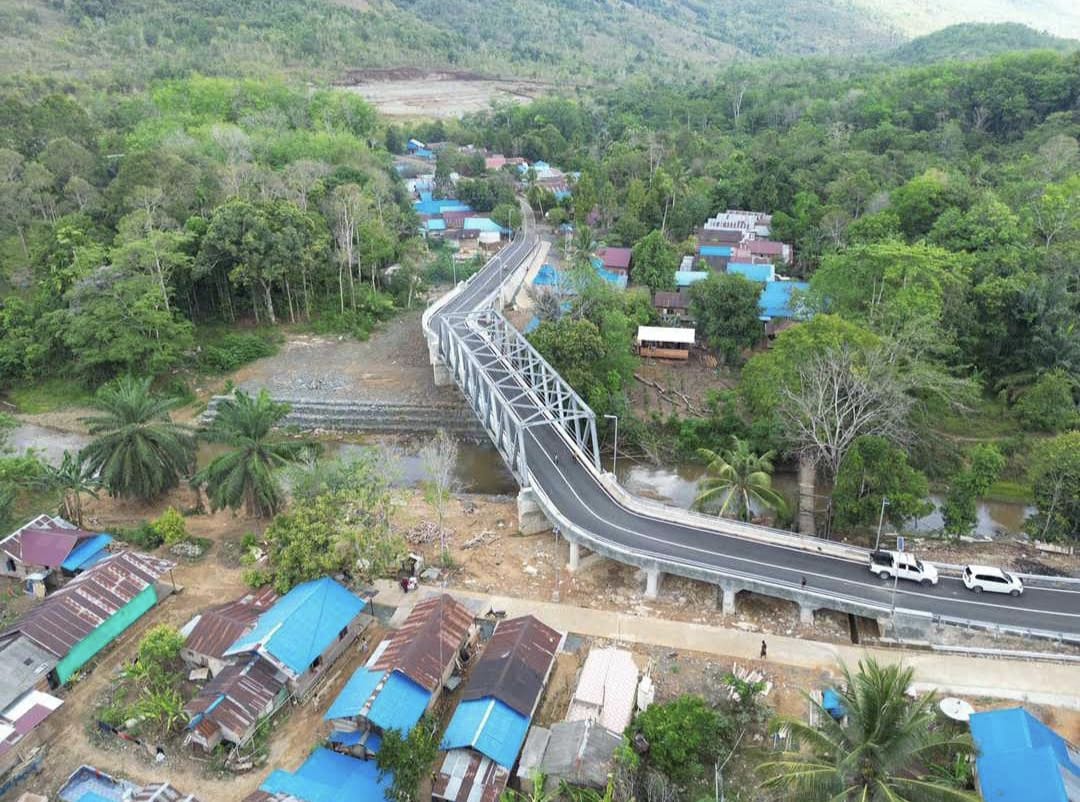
(10,565)
(316,663)
(341,635)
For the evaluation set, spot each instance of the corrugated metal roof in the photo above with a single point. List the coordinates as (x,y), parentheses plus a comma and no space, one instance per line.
(715,250)
(580,752)
(490,727)
(87,552)
(466,776)
(23,663)
(429,640)
(48,547)
(775,300)
(220,627)
(77,609)
(515,664)
(766,247)
(399,705)
(606,689)
(1021,759)
(753,272)
(618,258)
(684,278)
(356,694)
(12,544)
(237,697)
(671,300)
(665,334)
(302,624)
(327,776)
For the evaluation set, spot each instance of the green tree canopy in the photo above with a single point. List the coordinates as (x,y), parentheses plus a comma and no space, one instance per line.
(137,450)
(874,468)
(1049,404)
(725,308)
(685,736)
(882,751)
(1054,473)
(246,474)
(984,465)
(654,262)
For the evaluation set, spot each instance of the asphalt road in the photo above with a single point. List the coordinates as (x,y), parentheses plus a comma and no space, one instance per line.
(576,491)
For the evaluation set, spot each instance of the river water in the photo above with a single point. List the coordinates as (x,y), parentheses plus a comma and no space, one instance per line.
(481,470)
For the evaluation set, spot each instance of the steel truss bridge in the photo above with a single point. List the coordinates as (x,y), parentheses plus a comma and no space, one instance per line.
(547,435)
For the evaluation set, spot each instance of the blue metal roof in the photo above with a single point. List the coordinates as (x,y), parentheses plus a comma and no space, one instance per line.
(753,272)
(431,205)
(775,299)
(302,623)
(618,279)
(399,705)
(355,694)
(435,225)
(481,224)
(490,727)
(327,776)
(715,250)
(1020,758)
(86,553)
(351,738)
(684,278)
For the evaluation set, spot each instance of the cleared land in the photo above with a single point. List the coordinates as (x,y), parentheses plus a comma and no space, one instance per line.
(412,94)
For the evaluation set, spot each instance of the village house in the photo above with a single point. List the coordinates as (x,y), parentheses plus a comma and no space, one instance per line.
(325,776)
(209,634)
(47,548)
(404,676)
(51,642)
(230,706)
(90,784)
(488,728)
(581,749)
(673,308)
(617,260)
(661,342)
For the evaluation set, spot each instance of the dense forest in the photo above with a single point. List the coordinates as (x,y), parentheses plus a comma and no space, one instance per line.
(127,219)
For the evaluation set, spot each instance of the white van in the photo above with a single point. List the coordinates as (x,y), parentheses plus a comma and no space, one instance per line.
(993,580)
(887,564)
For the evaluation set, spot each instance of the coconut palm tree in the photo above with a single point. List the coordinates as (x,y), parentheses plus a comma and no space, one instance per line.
(72,477)
(880,752)
(738,477)
(245,475)
(137,452)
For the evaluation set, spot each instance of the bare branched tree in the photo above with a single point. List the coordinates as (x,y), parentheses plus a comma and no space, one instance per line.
(439,458)
(842,395)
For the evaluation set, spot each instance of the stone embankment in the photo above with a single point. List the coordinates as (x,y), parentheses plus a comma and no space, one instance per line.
(372,416)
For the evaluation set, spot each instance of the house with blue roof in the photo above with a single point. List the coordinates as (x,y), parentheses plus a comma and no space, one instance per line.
(404,676)
(686,278)
(1020,759)
(488,728)
(327,776)
(430,205)
(753,272)
(305,631)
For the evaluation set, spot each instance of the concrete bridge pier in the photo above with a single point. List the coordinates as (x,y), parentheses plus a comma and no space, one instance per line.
(725,598)
(653,576)
(806,615)
(531,519)
(575,556)
(442,375)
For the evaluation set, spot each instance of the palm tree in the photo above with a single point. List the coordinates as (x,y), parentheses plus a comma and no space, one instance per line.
(72,477)
(138,452)
(738,476)
(245,475)
(880,753)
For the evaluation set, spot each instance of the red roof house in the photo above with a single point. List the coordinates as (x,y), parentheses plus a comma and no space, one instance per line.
(616,259)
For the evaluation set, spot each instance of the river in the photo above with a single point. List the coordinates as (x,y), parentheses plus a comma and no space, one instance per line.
(481,470)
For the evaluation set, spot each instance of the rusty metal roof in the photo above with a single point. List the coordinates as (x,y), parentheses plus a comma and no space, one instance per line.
(428,641)
(219,627)
(515,664)
(236,698)
(468,776)
(77,609)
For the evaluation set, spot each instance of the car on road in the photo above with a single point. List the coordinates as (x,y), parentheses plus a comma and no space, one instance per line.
(900,564)
(993,580)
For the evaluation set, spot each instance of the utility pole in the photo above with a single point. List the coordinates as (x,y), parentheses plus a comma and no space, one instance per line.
(880,520)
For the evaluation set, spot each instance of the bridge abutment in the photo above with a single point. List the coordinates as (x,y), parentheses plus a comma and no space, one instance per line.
(531,519)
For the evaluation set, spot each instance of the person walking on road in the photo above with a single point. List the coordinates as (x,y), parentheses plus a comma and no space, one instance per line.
(764,650)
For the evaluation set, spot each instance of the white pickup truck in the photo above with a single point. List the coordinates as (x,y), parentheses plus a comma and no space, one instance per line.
(889,564)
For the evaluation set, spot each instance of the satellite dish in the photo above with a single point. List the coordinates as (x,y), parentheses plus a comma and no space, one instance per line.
(956,709)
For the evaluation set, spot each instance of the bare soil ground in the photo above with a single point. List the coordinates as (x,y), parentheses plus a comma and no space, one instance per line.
(413,94)
(664,388)
(392,365)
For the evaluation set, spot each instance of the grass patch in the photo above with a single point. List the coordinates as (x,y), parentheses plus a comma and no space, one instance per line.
(49,395)
(988,419)
(223,350)
(1010,491)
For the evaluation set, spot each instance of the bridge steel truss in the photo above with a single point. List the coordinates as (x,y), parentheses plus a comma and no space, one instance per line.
(496,367)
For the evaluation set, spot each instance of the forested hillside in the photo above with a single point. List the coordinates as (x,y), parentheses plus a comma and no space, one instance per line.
(580,41)
(977,41)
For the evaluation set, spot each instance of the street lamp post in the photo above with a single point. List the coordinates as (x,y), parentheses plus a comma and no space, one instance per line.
(615,455)
(880,520)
